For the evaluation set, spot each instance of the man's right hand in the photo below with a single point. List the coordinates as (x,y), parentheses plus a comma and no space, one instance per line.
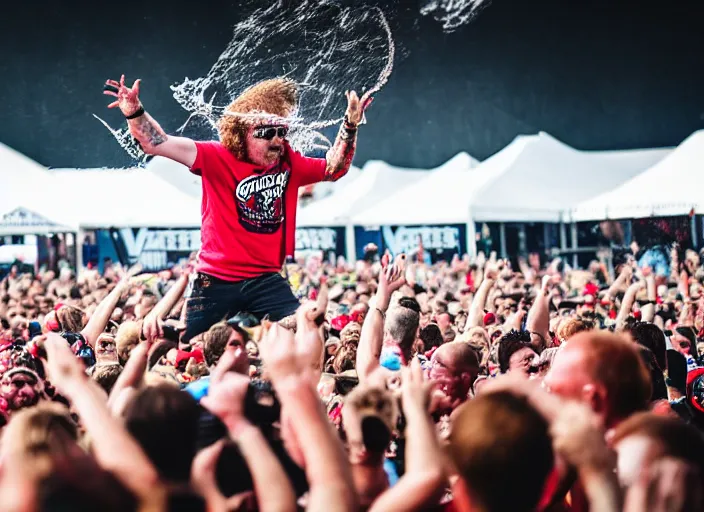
(391,278)
(127,99)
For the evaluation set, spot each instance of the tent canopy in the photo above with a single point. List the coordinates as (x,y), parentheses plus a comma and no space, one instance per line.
(376,181)
(30,202)
(672,186)
(437,198)
(177,175)
(546,179)
(117,198)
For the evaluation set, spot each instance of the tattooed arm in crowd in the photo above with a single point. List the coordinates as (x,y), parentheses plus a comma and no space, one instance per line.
(339,157)
(151,137)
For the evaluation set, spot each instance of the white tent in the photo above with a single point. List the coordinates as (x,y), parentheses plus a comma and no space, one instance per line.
(376,181)
(547,178)
(673,186)
(437,198)
(29,202)
(177,175)
(118,198)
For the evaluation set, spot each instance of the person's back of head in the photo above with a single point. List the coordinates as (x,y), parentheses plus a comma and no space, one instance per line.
(164,421)
(126,338)
(402,325)
(668,437)
(616,364)
(502,448)
(651,336)
(677,371)
(106,375)
(573,326)
(431,336)
(39,434)
(70,319)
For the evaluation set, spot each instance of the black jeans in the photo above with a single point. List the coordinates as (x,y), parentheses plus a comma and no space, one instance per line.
(213,300)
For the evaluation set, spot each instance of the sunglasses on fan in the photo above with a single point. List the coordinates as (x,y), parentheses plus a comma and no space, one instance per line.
(269,132)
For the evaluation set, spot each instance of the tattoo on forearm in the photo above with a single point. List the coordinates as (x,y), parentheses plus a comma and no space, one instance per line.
(147,131)
(339,157)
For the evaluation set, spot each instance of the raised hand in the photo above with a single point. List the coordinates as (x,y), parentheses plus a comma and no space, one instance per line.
(579,438)
(278,352)
(63,367)
(127,98)
(415,391)
(226,400)
(391,278)
(152,327)
(309,342)
(670,485)
(356,106)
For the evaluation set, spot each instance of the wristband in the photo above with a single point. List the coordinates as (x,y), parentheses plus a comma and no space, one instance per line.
(138,113)
(347,125)
(383,315)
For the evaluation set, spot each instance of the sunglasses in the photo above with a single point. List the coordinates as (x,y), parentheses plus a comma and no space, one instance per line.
(269,132)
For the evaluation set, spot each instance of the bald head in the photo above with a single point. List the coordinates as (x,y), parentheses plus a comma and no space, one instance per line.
(454,368)
(603,370)
(460,356)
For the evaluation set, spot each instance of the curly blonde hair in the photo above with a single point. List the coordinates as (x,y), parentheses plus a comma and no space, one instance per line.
(278,96)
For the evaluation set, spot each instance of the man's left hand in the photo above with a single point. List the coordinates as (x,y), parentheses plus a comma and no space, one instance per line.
(356,106)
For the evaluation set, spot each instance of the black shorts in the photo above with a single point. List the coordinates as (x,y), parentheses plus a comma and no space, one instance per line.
(213,300)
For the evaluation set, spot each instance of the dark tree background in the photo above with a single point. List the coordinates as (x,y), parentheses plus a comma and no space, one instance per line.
(597,74)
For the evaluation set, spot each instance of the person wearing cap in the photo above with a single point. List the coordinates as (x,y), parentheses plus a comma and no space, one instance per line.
(251,178)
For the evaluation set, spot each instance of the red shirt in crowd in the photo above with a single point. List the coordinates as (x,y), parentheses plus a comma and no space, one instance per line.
(249,212)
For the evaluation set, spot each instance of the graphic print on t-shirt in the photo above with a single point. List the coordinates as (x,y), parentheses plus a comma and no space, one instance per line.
(260,201)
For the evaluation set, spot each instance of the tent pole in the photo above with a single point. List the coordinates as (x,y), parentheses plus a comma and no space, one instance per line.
(78,240)
(693,227)
(350,244)
(574,244)
(502,239)
(563,235)
(471,237)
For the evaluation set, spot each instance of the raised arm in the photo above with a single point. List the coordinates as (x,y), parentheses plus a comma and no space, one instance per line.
(391,278)
(101,316)
(271,485)
(539,315)
(114,449)
(339,157)
(151,137)
(476,310)
(325,462)
(133,373)
(152,326)
(425,478)
(648,310)
(627,304)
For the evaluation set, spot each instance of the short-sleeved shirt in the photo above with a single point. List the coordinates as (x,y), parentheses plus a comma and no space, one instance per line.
(249,212)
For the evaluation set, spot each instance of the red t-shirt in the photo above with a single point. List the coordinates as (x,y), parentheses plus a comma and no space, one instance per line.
(249,212)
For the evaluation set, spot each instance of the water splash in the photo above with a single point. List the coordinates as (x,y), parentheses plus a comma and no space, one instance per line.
(126,142)
(324,47)
(452,14)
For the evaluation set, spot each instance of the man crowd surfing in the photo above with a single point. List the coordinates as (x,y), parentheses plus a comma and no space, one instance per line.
(467,385)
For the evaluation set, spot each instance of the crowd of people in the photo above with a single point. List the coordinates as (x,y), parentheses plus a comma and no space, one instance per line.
(398,385)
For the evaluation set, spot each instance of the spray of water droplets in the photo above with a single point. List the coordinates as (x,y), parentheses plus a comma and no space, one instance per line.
(452,14)
(324,47)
